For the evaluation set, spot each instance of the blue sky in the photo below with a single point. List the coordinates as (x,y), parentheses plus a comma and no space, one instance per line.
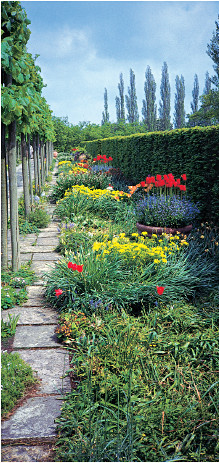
(85,45)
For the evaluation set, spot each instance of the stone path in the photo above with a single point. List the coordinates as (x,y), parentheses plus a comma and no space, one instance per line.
(29,434)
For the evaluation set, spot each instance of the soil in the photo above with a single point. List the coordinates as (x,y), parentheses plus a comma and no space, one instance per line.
(7,344)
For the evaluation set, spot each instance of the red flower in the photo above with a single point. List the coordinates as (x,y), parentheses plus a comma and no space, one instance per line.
(79,268)
(156,183)
(161,183)
(152,179)
(98,157)
(58,292)
(94,159)
(178,181)
(110,159)
(72,266)
(143,184)
(184,177)
(148,180)
(158,177)
(182,187)
(160,290)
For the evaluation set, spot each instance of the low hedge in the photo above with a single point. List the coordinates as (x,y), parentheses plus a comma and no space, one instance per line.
(193,151)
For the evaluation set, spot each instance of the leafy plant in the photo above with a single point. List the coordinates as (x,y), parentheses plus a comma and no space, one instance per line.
(39,217)
(8,328)
(16,376)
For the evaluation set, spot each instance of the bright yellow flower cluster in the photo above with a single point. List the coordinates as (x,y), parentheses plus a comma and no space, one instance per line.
(95,194)
(78,170)
(61,163)
(142,249)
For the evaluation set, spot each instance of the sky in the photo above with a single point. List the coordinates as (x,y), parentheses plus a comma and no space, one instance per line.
(85,45)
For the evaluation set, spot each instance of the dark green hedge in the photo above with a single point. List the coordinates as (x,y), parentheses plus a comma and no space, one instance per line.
(192,151)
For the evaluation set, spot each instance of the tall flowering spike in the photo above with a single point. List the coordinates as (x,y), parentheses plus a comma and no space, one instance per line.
(58,292)
(160,290)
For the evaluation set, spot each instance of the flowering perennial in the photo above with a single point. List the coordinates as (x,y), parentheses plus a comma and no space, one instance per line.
(95,193)
(141,249)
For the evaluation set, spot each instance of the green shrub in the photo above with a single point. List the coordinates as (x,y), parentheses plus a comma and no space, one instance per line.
(39,217)
(16,376)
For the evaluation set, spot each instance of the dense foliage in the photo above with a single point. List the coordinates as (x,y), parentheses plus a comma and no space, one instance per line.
(144,362)
(193,151)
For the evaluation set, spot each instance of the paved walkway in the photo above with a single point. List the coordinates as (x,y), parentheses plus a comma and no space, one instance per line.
(29,434)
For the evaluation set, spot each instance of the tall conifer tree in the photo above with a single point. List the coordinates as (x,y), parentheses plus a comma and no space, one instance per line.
(164,109)
(131,100)
(105,113)
(195,95)
(149,109)
(179,115)
(207,88)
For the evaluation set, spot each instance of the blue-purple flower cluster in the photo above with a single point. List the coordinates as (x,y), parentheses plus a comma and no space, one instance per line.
(166,211)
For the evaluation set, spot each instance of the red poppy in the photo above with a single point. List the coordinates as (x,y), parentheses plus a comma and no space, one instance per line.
(79,268)
(58,292)
(148,180)
(143,184)
(161,183)
(158,177)
(178,181)
(184,177)
(182,187)
(160,290)
(152,179)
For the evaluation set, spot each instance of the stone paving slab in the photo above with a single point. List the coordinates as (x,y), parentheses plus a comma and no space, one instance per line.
(35,418)
(33,316)
(46,256)
(50,366)
(34,249)
(52,233)
(27,453)
(23,257)
(35,290)
(28,337)
(34,302)
(40,268)
(47,241)
(51,227)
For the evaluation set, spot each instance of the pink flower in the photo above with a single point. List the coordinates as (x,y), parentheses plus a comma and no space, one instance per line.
(58,292)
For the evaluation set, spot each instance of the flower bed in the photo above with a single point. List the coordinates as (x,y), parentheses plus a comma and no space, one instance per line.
(144,360)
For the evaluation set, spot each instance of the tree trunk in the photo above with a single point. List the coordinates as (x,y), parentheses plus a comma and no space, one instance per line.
(42,161)
(4,204)
(29,171)
(47,157)
(38,165)
(35,165)
(25,175)
(15,244)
